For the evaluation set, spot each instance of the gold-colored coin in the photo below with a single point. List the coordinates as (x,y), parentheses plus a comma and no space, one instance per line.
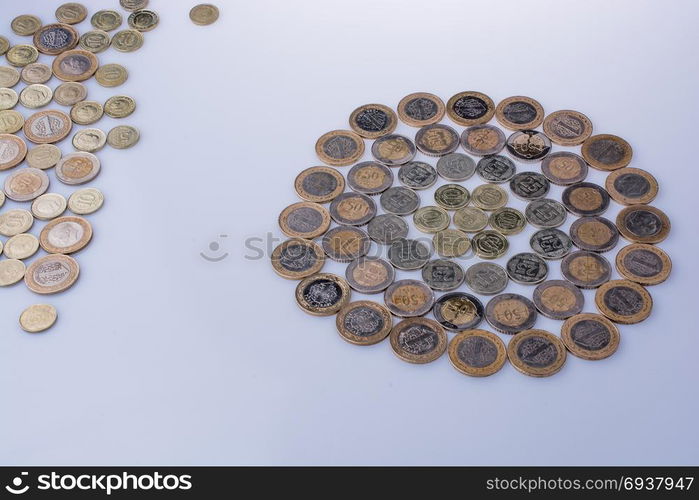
(77,168)
(119,106)
(38,318)
(507,221)
(631,186)
(70,93)
(143,20)
(26,184)
(489,244)
(111,75)
(323,294)
(319,184)
(35,96)
(8,99)
(519,113)
(624,301)
(75,65)
(86,201)
(25,25)
(123,137)
(21,246)
(409,298)
(567,127)
(4,45)
(86,112)
(643,224)
(590,336)
(132,5)
(2,198)
(297,258)
(451,243)
(204,14)
(36,73)
(13,150)
(606,152)
(373,120)
(15,222)
(71,13)
(452,196)
(644,264)
(306,220)
(418,340)
(420,109)
(364,322)
(10,121)
(470,108)
(11,271)
(477,353)
(489,197)
(95,41)
(65,235)
(21,55)
(106,20)
(49,206)
(340,148)
(52,274)
(47,127)
(345,243)
(44,156)
(128,40)
(536,353)
(89,140)
(8,76)
(470,219)
(431,219)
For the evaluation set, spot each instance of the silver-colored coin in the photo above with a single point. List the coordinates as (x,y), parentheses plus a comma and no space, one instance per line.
(370,274)
(545,213)
(408,254)
(551,244)
(385,228)
(527,268)
(400,201)
(496,169)
(483,140)
(456,167)
(417,175)
(529,186)
(486,278)
(443,275)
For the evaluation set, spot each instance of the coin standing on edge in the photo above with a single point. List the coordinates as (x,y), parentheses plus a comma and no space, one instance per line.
(483,140)
(537,353)
(631,186)
(595,234)
(364,322)
(352,209)
(345,243)
(297,258)
(590,336)
(586,269)
(77,168)
(52,274)
(551,244)
(606,152)
(519,113)
(567,127)
(304,219)
(372,121)
(437,140)
(370,177)
(204,14)
(409,298)
(510,313)
(477,353)
(393,150)
(38,318)
(564,168)
(470,108)
(322,294)
(340,148)
(644,264)
(486,278)
(558,299)
(418,340)
(369,275)
(643,224)
(420,109)
(624,301)
(458,311)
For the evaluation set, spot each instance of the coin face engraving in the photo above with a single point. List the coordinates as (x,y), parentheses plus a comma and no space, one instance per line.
(47,127)
(623,301)
(354,209)
(420,109)
(408,254)
(507,221)
(399,200)
(483,140)
(538,352)
(319,184)
(364,321)
(370,178)
(529,185)
(322,293)
(564,168)
(590,335)
(558,299)
(596,234)
(373,120)
(644,264)
(489,244)
(585,199)
(304,220)
(586,269)
(545,213)
(53,39)
(385,228)
(297,258)
(486,278)
(393,150)
(458,311)
(477,351)
(607,152)
(643,224)
(369,274)
(527,268)
(496,169)
(431,219)
(489,197)
(437,139)
(470,108)
(519,113)
(510,313)
(51,274)
(417,175)
(443,275)
(409,298)
(567,128)
(418,340)
(456,167)
(551,243)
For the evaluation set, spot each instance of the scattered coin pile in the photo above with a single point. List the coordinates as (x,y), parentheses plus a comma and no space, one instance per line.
(474,351)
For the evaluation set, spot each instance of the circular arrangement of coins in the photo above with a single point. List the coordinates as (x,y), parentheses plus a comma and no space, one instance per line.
(344,225)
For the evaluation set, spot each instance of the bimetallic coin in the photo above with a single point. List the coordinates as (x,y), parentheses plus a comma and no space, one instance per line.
(52,39)
(127,40)
(373,120)
(78,168)
(304,220)
(564,168)
(408,254)
(452,196)
(22,55)
(319,184)
(65,235)
(9,77)
(95,41)
(456,167)
(477,353)
(133,5)
(489,197)
(486,278)
(483,140)
(11,271)
(458,311)
(399,200)
(586,269)
(322,294)
(370,178)
(47,127)
(75,65)
(537,353)
(119,106)
(607,152)
(340,148)
(15,222)
(507,221)
(409,298)
(418,340)
(38,318)
(393,150)
(585,199)
(44,156)
(123,137)
(417,175)
(510,313)
(49,206)
(10,122)
(385,228)
(52,274)
(70,93)
(644,264)
(345,243)
(470,219)
(470,108)
(86,201)
(89,140)
(567,128)
(106,20)
(369,274)
(631,186)
(26,184)
(595,234)
(353,209)
(36,73)
(496,169)
(551,244)
(420,109)
(111,75)
(623,301)
(489,244)
(296,258)
(431,219)
(35,96)
(519,113)
(4,45)
(204,14)
(643,224)
(71,13)
(590,336)
(529,146)
(527,268)
(13,150)
(443,275)
(437,140)
(545,213)
(364,322)
(8,99)
(25,25)
(21,246)
(558,299)
(451,243)
(143,20)
(529,186)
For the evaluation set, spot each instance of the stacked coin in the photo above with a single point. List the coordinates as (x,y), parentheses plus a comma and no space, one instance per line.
(417,339)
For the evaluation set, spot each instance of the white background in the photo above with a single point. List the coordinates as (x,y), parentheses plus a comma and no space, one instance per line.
(160,357)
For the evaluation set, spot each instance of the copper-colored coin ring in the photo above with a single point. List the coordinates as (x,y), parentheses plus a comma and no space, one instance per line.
(318,231)
(661,222)
(305,194)
(45,49)
(46,236)
(405,117)
(291,274)
(510,313)
(502,109)
(12,143)
(595,234)
(371,339)
(577,125)
(479,97)
(52,274)
(85,72)
(586,269)
(648,275)
(619,175)
(48,118)
(387,128)
(606,152)
(641,310)
(603,325)
(564,168)
(341,158)
(528,369)
(345,243)
(409,298)
(419,358)
(477,371)
(340,286)
(558,299)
